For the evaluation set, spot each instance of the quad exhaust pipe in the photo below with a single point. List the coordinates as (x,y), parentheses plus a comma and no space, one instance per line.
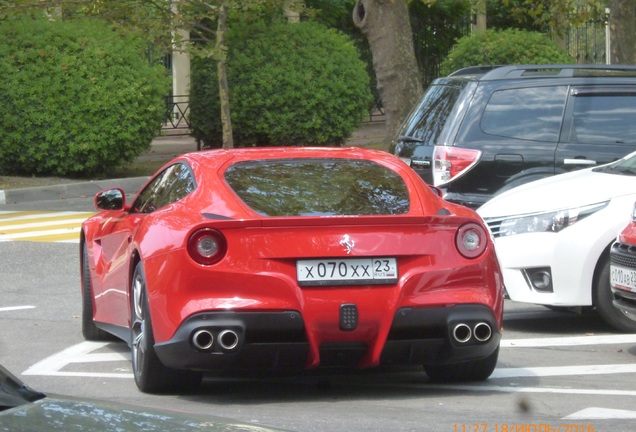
(463,333)
(227,340)
(202,340)
(482,331)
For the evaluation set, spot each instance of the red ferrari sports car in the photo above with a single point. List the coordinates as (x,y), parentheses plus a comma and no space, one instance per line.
(623,269)
(290,259)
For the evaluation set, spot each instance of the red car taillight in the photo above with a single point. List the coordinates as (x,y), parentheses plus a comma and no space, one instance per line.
(471,240)
(207,246)
(450,162)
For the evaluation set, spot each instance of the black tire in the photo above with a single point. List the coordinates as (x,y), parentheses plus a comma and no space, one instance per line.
(602,297)
(475,370)
(151,376)
(89,329)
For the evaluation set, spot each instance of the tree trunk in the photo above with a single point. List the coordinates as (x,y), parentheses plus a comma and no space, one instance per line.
(386,25)
(479,16)
(623,31)
(224,90)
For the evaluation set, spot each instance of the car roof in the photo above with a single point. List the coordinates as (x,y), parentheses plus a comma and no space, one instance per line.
(529,71)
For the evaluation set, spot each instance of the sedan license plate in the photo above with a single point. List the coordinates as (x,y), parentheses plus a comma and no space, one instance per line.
(623,277)
(347,271)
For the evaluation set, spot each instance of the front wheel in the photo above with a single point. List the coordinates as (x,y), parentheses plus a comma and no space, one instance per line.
(603,297)
(474,370)
(151,376)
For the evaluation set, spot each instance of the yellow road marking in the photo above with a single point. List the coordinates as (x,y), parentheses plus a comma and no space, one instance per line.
(40,226)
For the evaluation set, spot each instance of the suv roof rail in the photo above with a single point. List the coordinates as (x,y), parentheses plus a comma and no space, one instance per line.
(559,71)
(474,70)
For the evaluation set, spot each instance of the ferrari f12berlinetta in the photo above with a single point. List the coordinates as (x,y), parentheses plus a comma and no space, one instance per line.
(290,259)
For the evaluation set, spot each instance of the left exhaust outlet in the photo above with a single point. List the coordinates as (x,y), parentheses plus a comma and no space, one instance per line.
(202,340)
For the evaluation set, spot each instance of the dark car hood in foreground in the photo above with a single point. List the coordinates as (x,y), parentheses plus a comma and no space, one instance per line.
(24,410)
(67,414)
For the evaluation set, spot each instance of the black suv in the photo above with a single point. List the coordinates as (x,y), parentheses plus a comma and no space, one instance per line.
(483,130)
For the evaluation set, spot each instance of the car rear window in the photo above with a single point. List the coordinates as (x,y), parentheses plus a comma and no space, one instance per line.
(318,187)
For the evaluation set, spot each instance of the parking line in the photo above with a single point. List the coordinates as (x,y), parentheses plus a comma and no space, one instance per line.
(594,413)
(84,353)
(514,389)
(80,353)
(15,308)
(569,341)
(604,369)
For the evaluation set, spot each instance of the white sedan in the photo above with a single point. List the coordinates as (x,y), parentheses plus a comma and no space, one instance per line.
(553,236)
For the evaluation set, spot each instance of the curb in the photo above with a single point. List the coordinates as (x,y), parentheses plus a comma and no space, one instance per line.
(70,191)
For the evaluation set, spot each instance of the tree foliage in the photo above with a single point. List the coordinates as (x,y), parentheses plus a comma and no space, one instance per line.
(291,84)
(499,47)
(77,97)
(554,16)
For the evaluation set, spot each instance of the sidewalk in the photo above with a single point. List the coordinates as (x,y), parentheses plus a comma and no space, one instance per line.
(162,148)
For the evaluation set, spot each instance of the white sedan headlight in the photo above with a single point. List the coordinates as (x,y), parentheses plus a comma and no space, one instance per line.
(553,221)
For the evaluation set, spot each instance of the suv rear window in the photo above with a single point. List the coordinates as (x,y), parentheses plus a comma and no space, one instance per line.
(428,119)
(532,113)
(318,187)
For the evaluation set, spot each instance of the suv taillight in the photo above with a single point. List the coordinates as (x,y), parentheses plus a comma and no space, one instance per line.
(451,162)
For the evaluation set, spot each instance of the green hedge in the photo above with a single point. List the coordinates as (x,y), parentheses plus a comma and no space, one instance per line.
(500,47)
(290,84)
(77,98)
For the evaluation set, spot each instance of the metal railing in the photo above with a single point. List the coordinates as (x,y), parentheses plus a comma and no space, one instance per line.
(177,119)
(587,42)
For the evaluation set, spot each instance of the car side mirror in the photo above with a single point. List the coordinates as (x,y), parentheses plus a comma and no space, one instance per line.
(110,199)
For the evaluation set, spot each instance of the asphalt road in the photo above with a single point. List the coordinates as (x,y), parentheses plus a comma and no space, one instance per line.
(557,371)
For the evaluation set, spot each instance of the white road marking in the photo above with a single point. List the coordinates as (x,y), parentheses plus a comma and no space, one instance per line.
(594,413)
(84,353)
(15,308)
(605,369)
(80,353)
(569,341)
(512,389)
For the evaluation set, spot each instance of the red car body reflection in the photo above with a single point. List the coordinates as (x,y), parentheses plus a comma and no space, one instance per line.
(623,269)
(288,259)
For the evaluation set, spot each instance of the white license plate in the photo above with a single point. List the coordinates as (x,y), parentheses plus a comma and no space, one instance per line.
(623,277)
(347,271)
